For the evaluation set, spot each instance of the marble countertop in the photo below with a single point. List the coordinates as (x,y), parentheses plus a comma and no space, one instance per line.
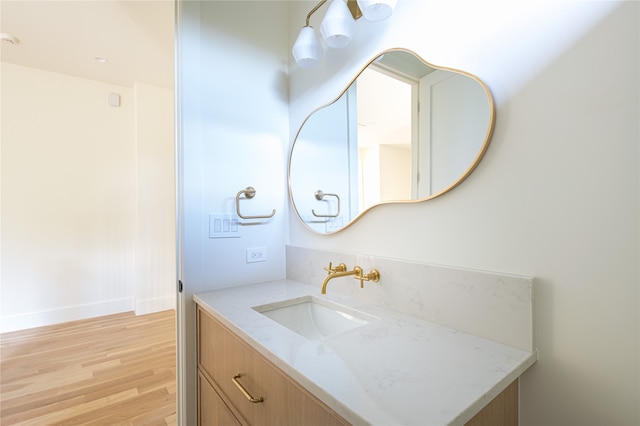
(397,370)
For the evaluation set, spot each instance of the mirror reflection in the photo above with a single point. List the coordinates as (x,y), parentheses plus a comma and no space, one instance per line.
(403,131)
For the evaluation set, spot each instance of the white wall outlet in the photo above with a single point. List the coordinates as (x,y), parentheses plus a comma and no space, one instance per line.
(256,254)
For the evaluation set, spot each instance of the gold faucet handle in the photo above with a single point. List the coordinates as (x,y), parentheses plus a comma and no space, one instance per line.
(374,276)
(340,268)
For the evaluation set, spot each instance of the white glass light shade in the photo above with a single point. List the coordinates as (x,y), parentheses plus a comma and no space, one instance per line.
(307,50)
(337,26)
(377,10)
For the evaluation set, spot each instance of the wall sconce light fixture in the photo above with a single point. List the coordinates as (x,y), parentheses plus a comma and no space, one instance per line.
(337,27)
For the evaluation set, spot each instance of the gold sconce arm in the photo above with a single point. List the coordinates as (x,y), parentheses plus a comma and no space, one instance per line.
(351,4)
(317,6)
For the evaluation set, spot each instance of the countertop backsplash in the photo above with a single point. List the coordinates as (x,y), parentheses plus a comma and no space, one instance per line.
(493,305)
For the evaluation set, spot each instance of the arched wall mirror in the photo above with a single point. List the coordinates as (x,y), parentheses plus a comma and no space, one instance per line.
(403,131)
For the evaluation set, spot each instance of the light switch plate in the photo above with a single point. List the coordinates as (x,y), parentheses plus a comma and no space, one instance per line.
(224,225)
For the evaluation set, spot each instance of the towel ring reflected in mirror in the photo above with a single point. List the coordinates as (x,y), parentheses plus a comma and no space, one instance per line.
(320,196)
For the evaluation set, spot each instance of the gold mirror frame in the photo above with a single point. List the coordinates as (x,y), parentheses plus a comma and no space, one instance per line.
(458,181)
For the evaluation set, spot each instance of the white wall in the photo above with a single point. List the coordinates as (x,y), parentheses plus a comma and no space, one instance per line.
(233,133)
(67,200)
(556,196)
(69,197)
(155,240)
(395,172)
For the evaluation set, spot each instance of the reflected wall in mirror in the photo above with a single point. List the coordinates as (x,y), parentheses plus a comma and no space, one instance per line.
(403,131)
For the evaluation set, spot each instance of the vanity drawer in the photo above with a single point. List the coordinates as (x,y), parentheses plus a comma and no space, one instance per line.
(211,409)
(223,356)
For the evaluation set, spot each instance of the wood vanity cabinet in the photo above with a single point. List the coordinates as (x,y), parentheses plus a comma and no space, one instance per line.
(222,356)
(211,409)
(501,411)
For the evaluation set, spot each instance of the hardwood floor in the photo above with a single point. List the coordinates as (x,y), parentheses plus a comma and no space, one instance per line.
(113,370)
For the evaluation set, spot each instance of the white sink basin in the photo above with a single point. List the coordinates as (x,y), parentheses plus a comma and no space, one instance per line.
(314,318)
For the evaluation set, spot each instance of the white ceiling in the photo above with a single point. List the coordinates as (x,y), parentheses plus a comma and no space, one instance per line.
(135,36)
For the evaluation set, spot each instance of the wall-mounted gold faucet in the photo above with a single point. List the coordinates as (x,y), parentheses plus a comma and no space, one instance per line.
(341,271)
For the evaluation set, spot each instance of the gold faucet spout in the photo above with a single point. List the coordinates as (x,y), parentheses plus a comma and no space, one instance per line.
(357,271)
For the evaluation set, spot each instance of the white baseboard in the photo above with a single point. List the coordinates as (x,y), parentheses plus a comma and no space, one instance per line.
(156,304)
(70,313)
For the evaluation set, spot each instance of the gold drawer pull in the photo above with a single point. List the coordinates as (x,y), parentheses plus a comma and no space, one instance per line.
(244,391)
